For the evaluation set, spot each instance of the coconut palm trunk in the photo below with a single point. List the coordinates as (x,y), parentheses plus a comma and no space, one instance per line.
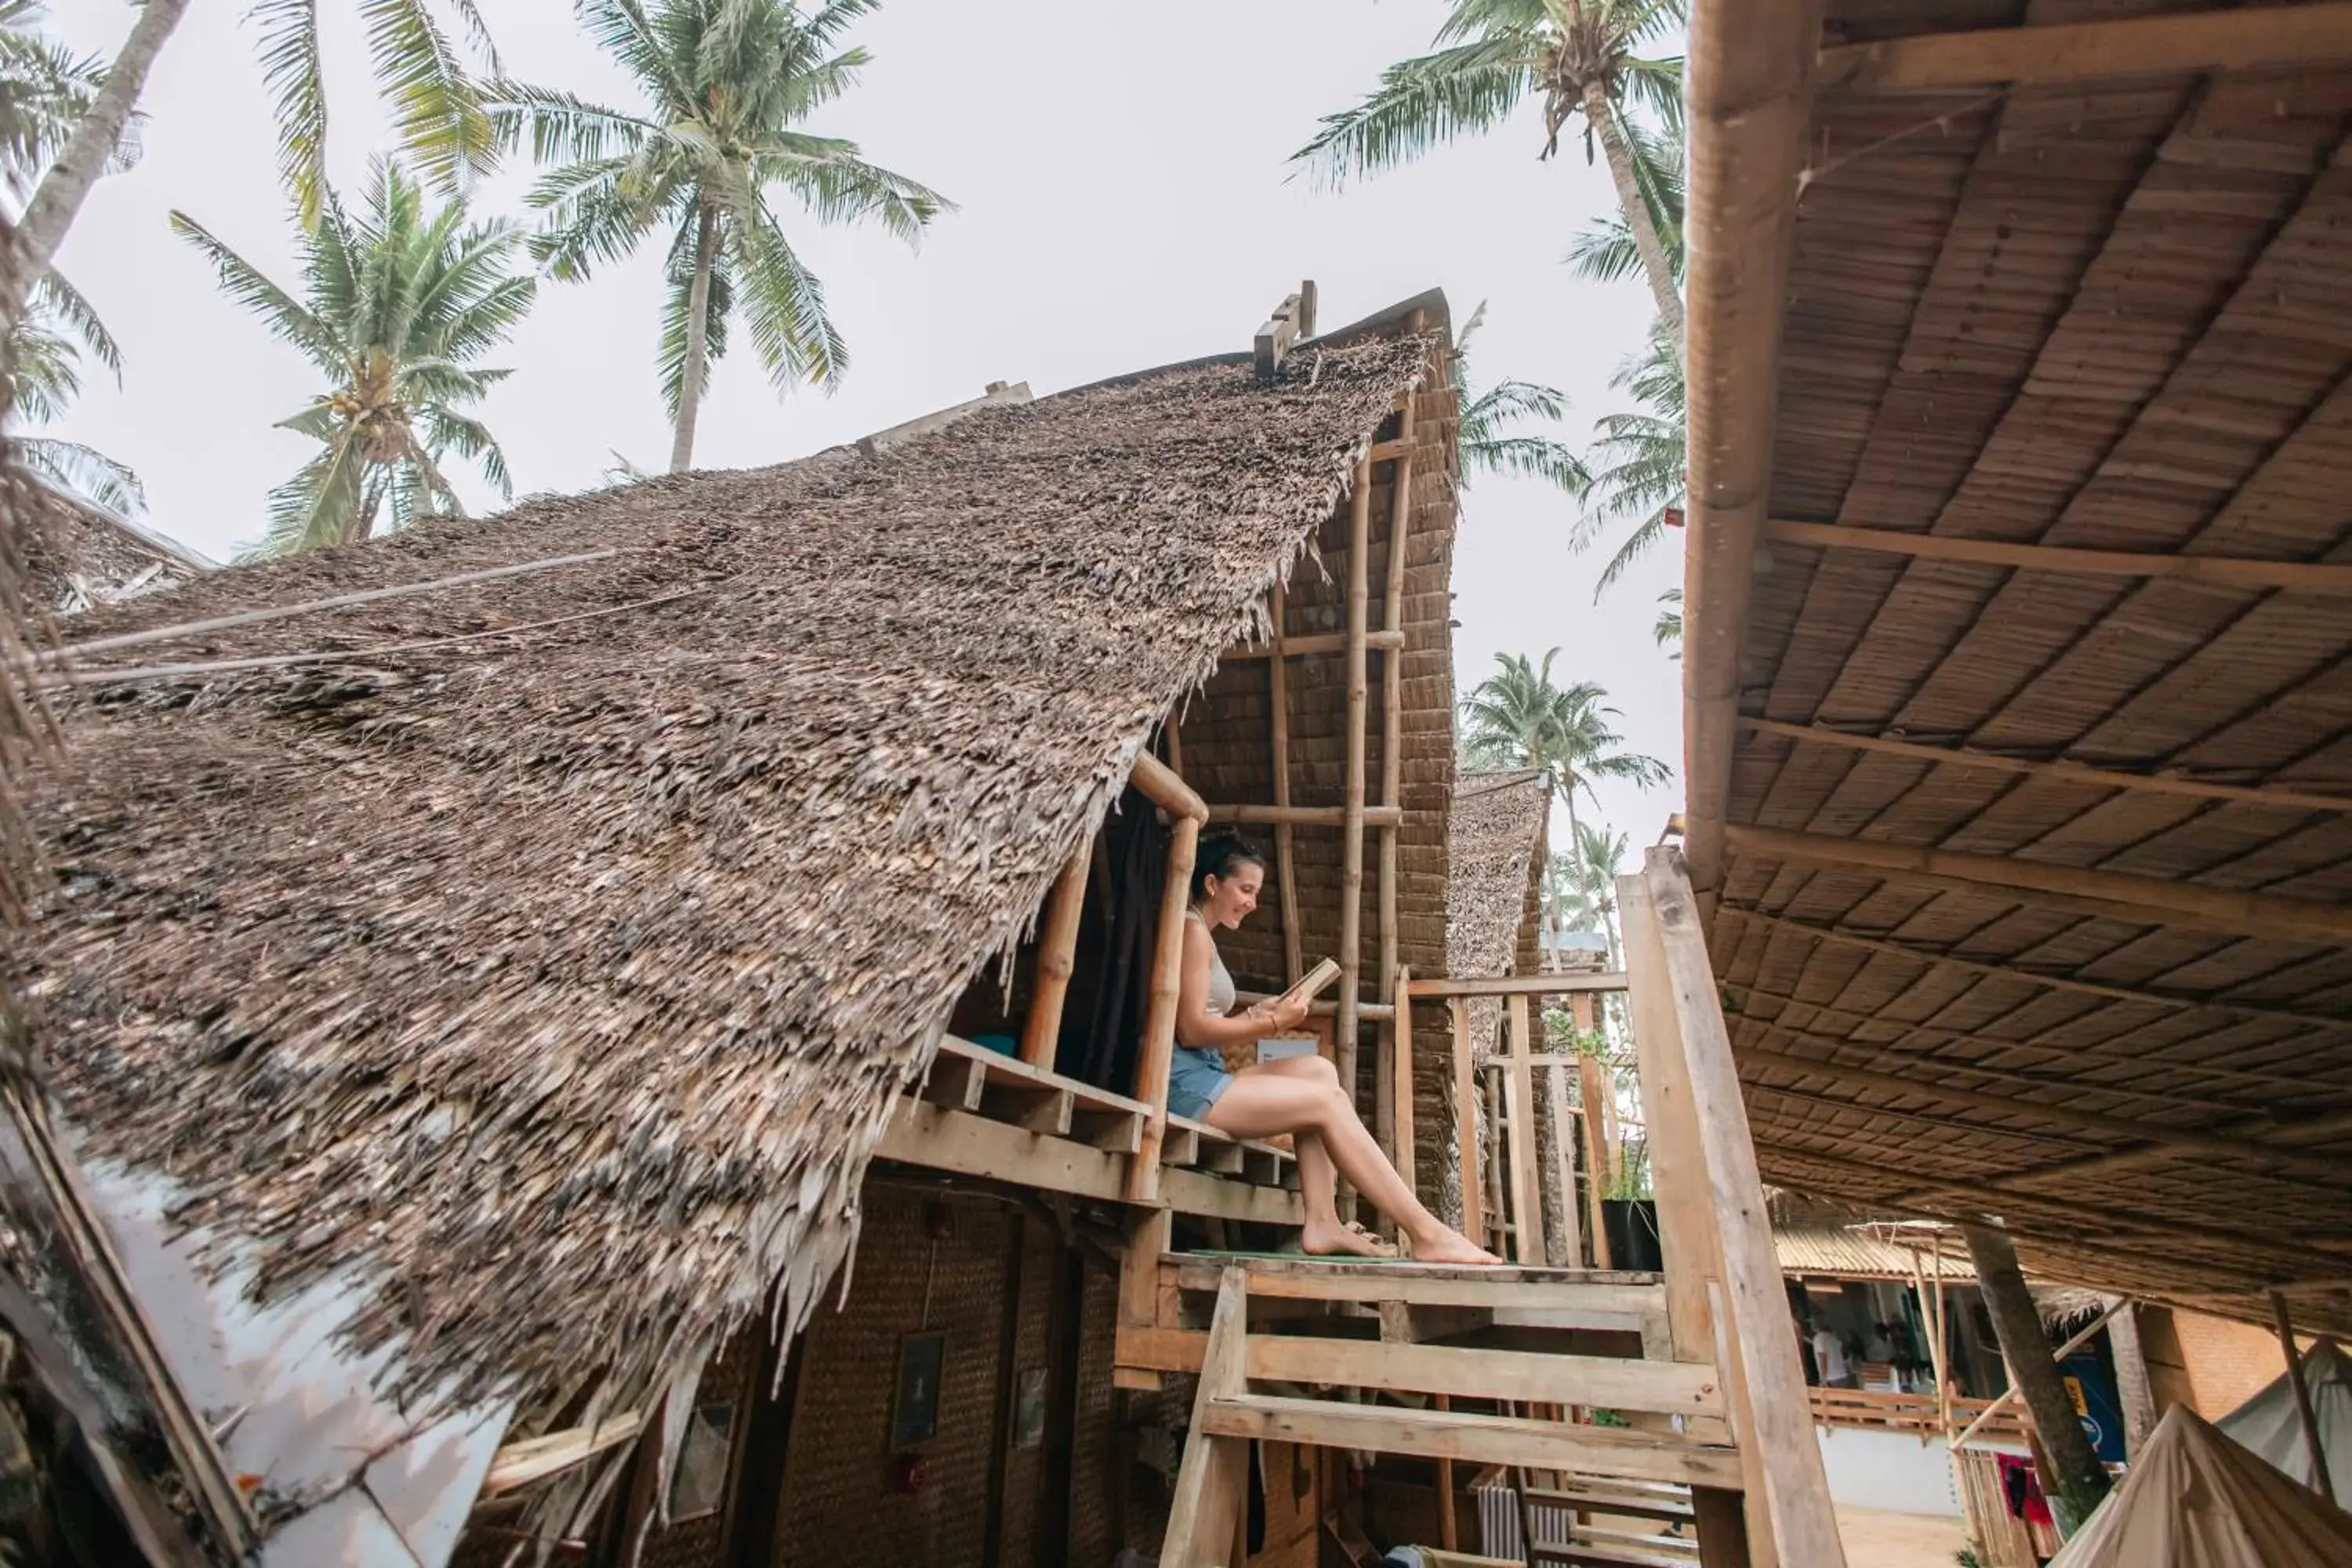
(697,341)
(58,197)
(1602,116)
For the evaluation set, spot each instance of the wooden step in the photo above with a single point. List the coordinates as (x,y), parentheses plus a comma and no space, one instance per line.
(1595,1554)
(1614,1383)
(1625,1505)
(1476,1439)
(1681,1550)
(1613,1291)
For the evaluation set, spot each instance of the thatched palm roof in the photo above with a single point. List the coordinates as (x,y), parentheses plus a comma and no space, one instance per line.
(547,958)
(2021,740)
(79,555)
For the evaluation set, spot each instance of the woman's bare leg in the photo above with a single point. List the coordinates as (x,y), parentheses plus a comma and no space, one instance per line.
(1306,1098)
(1318,1182)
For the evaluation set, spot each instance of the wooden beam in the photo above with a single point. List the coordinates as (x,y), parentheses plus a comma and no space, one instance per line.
(1677,1177)
(1615,1382)
(1779,1427)
(1748,80)
(1368,1012)
(939,1139)
(1519,1099)
(2068,982)
(1382,816)
(1518,984)
(1351,841)
(1159,1015)
(1312,646)
(1594,1292)
(2328,1170)
(2322,1482)
(2106,895)
(2257,38)
(1285,860)
(1473,1218)
(1563,1156)
(997,394)
(1160,784)
(1041,1031)
(1274,339)
(1477,1439)
(2330,578)
(2140,1156)
(2054,768)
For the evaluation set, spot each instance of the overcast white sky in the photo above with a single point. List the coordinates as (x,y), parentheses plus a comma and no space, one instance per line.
(1125,202)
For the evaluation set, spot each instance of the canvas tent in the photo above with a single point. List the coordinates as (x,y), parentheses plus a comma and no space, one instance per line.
(2270,1427)
(2195,1496)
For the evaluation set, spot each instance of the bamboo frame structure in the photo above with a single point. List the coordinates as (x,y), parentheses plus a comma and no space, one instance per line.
(1162,787)
(2299,36)
(1400,1082)
(2330,578)
(1041,1031)
(1519,1098)
(1398,1044)
(1465,1120)
(1285,855)
(1351,845)
(1600,1159)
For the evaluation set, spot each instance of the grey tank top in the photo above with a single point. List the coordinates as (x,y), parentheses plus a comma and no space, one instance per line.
(1220,979)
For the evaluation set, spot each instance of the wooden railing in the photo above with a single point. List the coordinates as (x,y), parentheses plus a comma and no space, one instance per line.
(1871,1409)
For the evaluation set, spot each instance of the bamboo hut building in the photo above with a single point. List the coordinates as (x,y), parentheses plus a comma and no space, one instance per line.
(2019,762)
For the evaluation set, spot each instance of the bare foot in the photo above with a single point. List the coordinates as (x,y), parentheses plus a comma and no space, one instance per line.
(1339,1240)
(1451,1246)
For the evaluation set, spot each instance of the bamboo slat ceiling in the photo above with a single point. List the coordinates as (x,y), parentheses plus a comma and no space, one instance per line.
(2108,314)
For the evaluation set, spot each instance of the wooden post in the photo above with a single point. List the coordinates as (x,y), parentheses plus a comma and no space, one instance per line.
(1563,1153)
(2133,1390)
(1401,1068)
(1351,841)
(1449,1532)
(1943,1349)
(1139,1289)
(1601,1163)
(1212,1483)
(1520,1097)
(2322,1482)
(1159,1017)
(1041,1032)
(1465,1122)
(1500,1218)
(1779,1424)
(1285,866)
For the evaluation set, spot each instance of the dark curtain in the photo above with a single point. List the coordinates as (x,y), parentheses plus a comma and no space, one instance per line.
(1135,850)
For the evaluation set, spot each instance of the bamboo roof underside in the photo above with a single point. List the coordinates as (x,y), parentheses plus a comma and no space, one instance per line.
(542,956)
(2109,315)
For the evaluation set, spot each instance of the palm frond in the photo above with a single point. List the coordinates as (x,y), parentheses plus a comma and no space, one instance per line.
(295,71)
(717,311)
(562,124)
(1555,463)
(783,307)
(82,471)
(838,186)
(1424,102)
(437,110)
(246,285)
(322,504)
(55,297)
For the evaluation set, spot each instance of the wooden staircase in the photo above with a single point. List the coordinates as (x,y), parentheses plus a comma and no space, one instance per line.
(1275,1381)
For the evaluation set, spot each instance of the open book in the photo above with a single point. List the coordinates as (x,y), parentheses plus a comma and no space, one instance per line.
(1317,980)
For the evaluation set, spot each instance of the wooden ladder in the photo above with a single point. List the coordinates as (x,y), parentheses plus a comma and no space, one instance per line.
(1229,1413)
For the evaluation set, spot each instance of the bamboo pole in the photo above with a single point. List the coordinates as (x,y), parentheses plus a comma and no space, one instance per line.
(1251,814)
(1165,788)
(1041,1031)
(1400,1089)
(2320,577)
(1286,865)
(1351,845)
(1465,1121)
(1393,718)
(1563,1155)
(1159,1017)
(1526,1189)
(2322,1482)
(1315,645)
(2298,36)
(1500,1214)
(1601,1163)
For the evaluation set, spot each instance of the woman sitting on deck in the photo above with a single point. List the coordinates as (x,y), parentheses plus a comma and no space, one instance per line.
(1296,1095)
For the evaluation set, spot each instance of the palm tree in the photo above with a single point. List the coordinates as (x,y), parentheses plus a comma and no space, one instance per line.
(1517,718)
(396,305)
(1581,885)
(1586,56)
(727,82)
(1606,249)
(1487,440)
(44,354)
(1639,462)
(1666,631)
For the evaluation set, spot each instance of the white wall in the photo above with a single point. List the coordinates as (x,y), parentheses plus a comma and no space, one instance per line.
(1890,1470)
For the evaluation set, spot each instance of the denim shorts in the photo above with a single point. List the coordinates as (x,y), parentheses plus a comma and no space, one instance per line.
(1195,1078)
